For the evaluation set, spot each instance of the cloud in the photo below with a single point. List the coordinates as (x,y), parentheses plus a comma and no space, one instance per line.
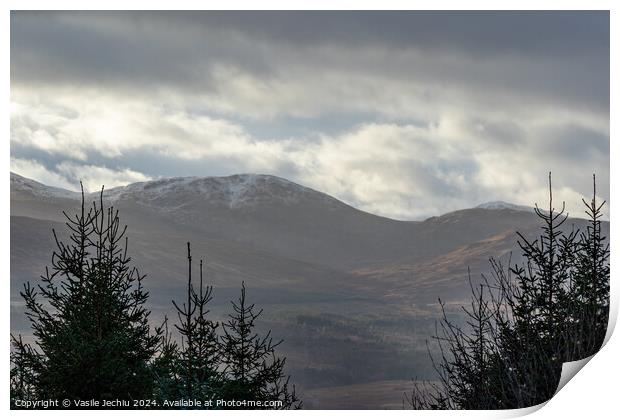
(400,170)
(68,175)
(279,63)
(95,177)
(405,115)
(35,170)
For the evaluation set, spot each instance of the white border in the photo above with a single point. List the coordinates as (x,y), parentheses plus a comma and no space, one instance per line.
(593,394)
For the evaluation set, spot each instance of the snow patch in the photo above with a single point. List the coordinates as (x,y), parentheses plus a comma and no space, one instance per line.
(235,192)
(503,205)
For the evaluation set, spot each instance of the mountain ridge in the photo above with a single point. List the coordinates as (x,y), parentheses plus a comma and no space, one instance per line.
(282,218)
(234,191)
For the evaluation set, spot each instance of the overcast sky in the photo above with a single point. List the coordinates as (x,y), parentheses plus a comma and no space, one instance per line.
(403,114)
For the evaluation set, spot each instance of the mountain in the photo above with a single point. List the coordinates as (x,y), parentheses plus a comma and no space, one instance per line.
(276,216)
(342,287)
(502,205)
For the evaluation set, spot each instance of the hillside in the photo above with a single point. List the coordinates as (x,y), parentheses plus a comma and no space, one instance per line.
(334,280)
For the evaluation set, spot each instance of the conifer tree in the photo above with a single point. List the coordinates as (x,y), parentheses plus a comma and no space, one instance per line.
(22,374)
(92,338)
(468,363)
(539,338)
(535,316)
(166,368)
(252,370)
(590,286)
(196,370)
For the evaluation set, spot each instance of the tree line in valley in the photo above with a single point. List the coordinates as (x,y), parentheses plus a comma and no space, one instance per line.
(93,341)
(525,320)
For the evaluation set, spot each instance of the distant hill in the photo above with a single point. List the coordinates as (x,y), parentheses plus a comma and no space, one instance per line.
(327,274)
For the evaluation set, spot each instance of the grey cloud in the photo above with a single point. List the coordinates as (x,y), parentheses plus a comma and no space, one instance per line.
(477,32)
(575,143)
(563,53)
(150,162)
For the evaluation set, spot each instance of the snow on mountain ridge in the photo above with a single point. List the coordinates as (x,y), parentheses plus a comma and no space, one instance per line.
(234,191)
(503,205)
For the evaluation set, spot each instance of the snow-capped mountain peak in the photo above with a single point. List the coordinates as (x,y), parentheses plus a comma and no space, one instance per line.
(503,205)
(235,191)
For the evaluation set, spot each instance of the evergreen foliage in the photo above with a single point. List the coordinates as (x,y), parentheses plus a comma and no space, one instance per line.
(92,339)
(525,321)
(590,286)
(236,364)
(252,371)
(191,369)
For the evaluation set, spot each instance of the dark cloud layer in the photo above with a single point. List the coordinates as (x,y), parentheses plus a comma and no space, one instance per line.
(476,32)
(180,48)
